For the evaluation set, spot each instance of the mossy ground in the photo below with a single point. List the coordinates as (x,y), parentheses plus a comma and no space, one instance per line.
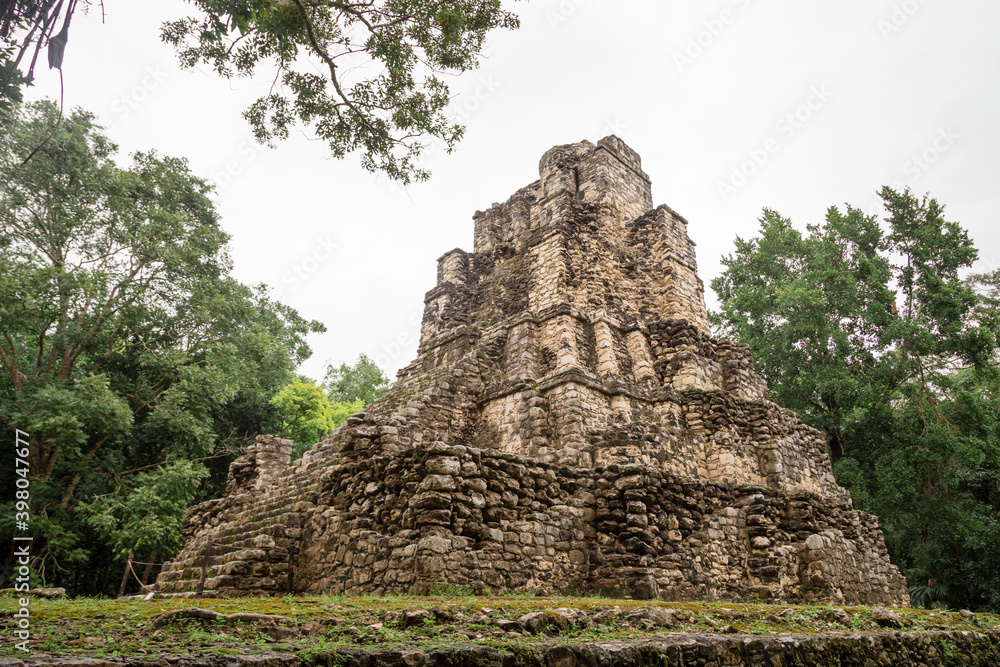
(108,628)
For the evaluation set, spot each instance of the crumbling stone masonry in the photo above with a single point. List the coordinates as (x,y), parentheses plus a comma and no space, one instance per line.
(568,426)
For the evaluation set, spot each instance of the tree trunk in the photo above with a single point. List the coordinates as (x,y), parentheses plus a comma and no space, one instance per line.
(836,446)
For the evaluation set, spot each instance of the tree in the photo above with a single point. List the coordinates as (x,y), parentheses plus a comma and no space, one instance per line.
(341,410)
(872,333)
(146,520)
(930,470)
(128,351)
(822,314)
(814,310)
(363,76)
(364,381)
(39,21)
(305,412)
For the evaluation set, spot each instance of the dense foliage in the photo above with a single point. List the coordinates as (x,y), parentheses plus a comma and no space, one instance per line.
(361,75)
(876,334)
(136,362)
(26,27)
(304,410)
(308,412)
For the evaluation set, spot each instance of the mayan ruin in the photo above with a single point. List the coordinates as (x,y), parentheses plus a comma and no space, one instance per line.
(569,426)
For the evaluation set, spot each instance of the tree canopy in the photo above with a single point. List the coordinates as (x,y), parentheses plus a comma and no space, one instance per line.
(135,361)
(877,334)
(363,381)
(308,412)
(362,76)
(304,410)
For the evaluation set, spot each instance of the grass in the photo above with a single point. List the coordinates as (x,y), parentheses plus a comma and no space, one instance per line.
(118,628)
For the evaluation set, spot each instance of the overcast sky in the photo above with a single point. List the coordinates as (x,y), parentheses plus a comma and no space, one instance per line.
(733,105)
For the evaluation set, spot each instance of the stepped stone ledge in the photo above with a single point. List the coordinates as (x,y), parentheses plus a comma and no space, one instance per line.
(569,426)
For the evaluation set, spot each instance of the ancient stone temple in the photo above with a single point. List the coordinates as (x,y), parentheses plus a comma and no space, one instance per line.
(568,426)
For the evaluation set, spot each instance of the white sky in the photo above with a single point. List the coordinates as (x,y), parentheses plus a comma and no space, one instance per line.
(697,88)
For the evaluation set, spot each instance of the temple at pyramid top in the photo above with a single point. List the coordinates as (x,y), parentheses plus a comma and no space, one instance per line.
(584,237)
(608,175)
(602,192)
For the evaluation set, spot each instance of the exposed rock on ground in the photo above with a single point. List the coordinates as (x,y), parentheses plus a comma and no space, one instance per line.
(521,629)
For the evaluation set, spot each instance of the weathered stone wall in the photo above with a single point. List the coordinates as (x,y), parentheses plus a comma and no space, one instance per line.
(440,516)
(569,424)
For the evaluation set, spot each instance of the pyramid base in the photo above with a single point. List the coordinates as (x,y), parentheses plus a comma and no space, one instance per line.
(442,519)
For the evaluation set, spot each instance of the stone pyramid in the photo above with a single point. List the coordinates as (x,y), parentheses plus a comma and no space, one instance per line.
(569,426)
